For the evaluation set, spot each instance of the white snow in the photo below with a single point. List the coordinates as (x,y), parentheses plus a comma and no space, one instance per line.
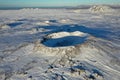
(60,44)
(4,27)
(63,34)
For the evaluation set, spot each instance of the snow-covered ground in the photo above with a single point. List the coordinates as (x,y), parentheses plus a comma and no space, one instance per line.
(60,44)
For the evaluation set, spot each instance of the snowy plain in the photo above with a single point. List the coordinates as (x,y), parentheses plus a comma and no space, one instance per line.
(60,44)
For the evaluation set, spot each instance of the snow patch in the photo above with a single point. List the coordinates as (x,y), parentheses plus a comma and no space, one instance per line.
(64,21)
(63,34)
(46,23)
(77,11)
(4,27)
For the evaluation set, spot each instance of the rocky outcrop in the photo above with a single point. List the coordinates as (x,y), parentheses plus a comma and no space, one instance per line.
(100,8)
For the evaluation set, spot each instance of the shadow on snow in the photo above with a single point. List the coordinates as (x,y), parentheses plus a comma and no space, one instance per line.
(71,28)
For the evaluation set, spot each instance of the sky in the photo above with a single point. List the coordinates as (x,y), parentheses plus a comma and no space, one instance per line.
(51,3)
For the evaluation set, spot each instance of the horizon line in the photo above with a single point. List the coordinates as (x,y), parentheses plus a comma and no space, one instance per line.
(64,6)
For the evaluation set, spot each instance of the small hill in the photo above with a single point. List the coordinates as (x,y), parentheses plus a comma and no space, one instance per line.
(100,8)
